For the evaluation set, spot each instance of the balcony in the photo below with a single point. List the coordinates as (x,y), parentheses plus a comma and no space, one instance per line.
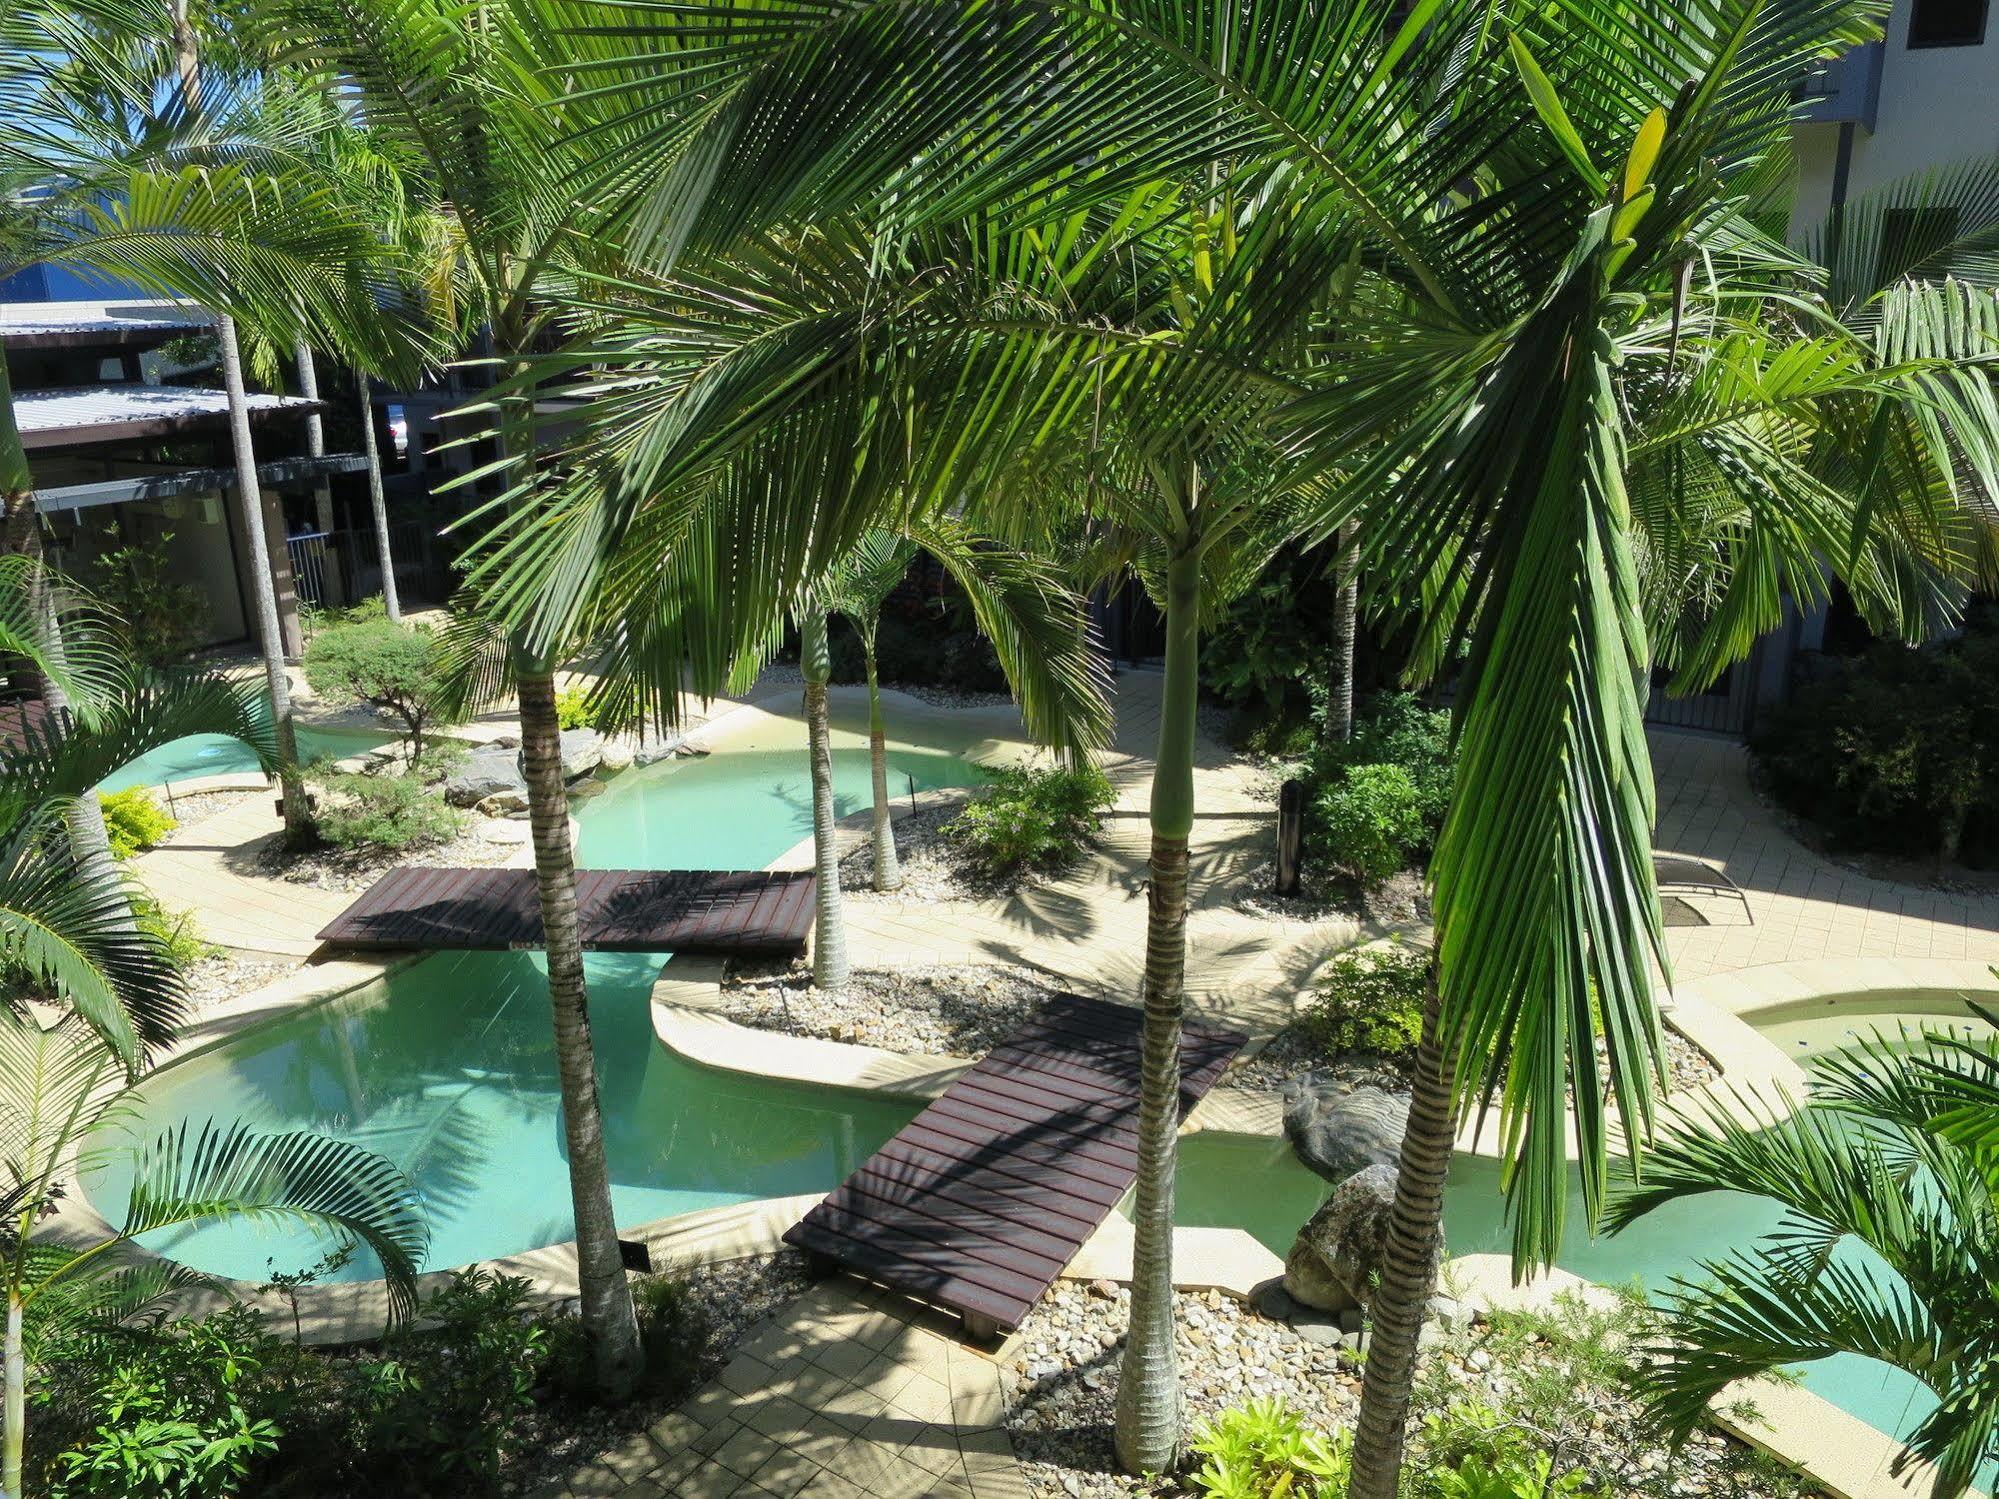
(1842,90)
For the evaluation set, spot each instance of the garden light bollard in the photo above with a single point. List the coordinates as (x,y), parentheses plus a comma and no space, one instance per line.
(1290,835)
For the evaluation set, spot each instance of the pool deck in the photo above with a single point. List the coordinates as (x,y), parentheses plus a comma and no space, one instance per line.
(1813,928)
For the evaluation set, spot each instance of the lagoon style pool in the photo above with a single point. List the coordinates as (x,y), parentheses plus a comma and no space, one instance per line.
(218,755)
(446,1066)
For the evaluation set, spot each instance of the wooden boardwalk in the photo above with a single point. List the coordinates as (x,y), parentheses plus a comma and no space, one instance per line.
(735,913)
(978,1204)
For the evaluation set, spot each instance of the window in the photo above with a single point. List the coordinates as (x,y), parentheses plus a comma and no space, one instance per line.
(1947,23)
(1911,237)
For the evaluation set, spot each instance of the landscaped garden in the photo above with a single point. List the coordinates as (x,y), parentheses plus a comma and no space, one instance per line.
(1411,383)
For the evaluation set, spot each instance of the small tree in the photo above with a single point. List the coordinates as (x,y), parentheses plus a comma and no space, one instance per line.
(389,666)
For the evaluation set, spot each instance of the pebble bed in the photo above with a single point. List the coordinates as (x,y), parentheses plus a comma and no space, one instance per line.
(1064,1369)
(351,870)
(930,1011)
(1400,901)
(1289,1056)
(933,867)
(225,976)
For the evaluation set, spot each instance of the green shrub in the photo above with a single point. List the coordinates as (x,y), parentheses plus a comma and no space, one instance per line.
(673,1326)
(161,1416)
(173,930)
(1370,1002)
(1395,728)
(144,587)
(1898,753)
(133,820)
(1264,1450)
(1368,824)
(1033,818)
(443,1405)
(1472,1451)
(392,667)
(572,708)
(393,812)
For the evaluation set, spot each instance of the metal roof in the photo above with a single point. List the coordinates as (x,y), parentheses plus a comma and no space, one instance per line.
(162,486)
(66,416)
(113,320)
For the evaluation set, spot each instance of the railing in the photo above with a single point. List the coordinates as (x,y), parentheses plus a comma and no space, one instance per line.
(308,557)
(421,573)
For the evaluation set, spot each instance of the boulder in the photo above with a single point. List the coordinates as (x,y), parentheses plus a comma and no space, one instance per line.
(1338,1132)
(505,804)
(1336,1258)
(652,751)
(618,757)
(486,775)
(582,752)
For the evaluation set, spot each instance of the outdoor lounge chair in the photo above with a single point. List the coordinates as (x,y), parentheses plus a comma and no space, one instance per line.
(1681,874)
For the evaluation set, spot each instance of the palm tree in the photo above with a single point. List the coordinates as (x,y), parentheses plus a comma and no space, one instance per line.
(66,927)
(1038,630)
(484,136)
(859,586)
(1891,1149)
(54,1093)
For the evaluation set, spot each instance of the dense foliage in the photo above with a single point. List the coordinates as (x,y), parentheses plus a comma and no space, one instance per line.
(167,614)
(224,1405)
(1375,802)
(388,811)
(1897,752)
(1369,1002)
(1030,818)
(925,637)
(133,820)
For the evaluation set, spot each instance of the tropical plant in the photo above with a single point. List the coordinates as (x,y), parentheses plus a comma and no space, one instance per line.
(67,928)
(1368,823)
(1264,1450)
(1886,1173)
(57,1116)
(1370,1001)
(393,811)
(858,587)
(133,820)
(1328,267)
(1033,817)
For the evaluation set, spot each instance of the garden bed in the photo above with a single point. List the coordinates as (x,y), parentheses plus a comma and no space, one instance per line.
(934,867)
(1555,1379)
(961,1011)
(351,870)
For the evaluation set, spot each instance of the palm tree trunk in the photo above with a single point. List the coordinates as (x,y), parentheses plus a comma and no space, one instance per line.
(1148,1394)
(888,869)
(315,437)
(298,820)
(1346,615)
(1408,1273)
(392,603)
(608,1316)
(829,931)
(17,1402)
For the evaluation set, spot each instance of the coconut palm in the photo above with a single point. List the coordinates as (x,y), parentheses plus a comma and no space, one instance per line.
(1887,1180)
(103,172)
(58,1120)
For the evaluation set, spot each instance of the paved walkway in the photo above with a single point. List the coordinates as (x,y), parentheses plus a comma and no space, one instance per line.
(211,872)
(849,1392)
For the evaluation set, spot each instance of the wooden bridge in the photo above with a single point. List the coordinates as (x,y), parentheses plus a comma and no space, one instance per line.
(733,913)
(979,1203)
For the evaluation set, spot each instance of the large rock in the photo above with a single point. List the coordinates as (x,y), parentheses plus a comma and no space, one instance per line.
(582,752)
(486,775)
(1335,1262)
(1337,1131)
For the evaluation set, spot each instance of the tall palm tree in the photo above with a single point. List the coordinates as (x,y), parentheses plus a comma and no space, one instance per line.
(484,134)
(1891,1149)
(54,1093)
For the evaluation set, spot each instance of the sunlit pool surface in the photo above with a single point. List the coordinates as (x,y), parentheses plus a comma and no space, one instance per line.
(219,755)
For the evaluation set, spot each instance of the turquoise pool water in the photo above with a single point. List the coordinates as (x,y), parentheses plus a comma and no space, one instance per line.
(218,755)
(447,1066)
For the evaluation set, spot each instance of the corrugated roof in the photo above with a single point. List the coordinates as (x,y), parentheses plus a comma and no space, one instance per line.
(117,316)
(91,412)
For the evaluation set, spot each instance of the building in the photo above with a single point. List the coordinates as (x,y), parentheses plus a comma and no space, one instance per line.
(1924,98)
(135,470)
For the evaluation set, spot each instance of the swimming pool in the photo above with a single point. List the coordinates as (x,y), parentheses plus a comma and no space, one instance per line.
(447,1066)
(219,755)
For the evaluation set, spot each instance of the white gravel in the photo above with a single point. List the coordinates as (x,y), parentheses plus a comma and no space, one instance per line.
(930,1011)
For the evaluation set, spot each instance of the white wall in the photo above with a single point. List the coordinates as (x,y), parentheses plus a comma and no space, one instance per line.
(1938,106)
